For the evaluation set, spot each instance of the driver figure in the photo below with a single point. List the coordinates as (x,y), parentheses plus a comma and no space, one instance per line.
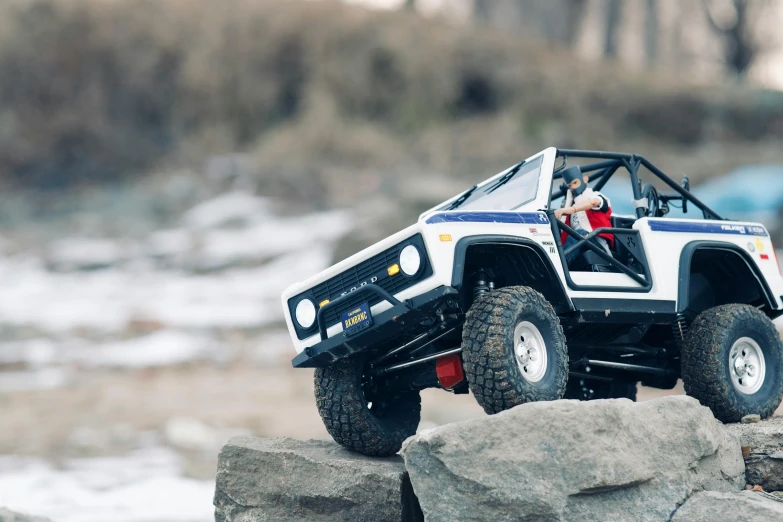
(585,210)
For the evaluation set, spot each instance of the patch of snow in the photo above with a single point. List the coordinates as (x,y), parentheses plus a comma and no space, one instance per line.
(78,253)
(170,242)
(109,300)
(44,379)
(142,486)
(162,348)
(191,434)
(229,207)
(31,352)
(272,238)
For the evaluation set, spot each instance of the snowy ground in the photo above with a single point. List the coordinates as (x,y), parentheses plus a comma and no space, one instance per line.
(80,309)
(144,485)
(168,299)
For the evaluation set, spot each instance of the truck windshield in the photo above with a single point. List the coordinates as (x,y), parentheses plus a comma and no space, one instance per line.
(521,188)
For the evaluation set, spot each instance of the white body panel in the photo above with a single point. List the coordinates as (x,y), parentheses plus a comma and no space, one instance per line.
(662,249)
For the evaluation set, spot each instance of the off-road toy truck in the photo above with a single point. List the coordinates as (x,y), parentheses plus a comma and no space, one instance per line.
(477,296)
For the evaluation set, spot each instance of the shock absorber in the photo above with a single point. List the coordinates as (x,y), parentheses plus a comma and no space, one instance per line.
(483,284)
(680,329)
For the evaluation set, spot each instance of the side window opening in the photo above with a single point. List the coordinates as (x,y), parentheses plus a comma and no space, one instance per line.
(619,191)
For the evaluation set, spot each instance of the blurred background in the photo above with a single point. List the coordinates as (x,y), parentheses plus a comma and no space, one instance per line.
(168,167)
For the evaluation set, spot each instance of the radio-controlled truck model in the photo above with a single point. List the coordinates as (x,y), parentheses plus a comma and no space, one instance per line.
(477,296)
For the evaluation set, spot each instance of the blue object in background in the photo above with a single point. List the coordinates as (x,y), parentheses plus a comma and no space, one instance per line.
(748,193)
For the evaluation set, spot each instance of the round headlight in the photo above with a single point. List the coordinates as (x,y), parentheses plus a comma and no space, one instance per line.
(410,260)
(305,313)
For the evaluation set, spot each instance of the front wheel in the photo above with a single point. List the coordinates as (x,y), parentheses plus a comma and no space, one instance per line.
(731,362)
(514,349)
(372,425)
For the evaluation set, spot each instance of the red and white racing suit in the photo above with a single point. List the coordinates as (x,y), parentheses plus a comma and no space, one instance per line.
(588,220)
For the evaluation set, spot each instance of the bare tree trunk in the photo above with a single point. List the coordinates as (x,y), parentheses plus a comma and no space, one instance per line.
(575,13)
(651,29)
(740,47)
(614,11)
(481,10)
(741,51)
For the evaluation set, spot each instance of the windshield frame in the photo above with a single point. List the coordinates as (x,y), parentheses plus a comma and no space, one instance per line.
(502,195)
(539,201)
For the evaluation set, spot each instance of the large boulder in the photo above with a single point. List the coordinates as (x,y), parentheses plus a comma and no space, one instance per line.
(570,460)
(746,506)
(286,480)
(763,447)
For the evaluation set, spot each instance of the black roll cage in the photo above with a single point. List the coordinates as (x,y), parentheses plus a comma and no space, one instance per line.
(612,161)
(602,171)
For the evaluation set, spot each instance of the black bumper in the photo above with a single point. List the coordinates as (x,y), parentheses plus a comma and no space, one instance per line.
(400,318)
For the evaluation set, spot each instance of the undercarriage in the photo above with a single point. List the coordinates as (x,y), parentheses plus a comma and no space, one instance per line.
(606,352)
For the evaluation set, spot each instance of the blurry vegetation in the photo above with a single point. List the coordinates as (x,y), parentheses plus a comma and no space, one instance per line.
(327,101)
(715,35)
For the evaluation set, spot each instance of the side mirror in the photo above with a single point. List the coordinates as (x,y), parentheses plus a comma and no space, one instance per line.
(686,184)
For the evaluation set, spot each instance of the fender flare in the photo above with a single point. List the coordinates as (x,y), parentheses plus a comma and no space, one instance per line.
(461,249)
(686,257)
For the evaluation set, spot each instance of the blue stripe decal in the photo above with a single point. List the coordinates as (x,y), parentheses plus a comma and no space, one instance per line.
(707,228)
(529,218)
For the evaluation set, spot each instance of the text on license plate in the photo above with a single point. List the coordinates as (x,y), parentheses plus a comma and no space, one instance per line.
(357,319)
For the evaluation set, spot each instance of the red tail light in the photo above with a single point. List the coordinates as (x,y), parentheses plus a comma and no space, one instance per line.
(449,370)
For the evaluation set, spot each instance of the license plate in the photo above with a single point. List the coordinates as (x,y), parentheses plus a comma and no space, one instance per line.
(357,319)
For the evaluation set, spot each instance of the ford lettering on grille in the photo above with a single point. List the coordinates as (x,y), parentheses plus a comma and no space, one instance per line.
(373,279)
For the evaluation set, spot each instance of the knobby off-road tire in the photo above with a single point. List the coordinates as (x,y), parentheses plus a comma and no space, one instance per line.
(712,372)
(490,349)
(373,428)
(589,389)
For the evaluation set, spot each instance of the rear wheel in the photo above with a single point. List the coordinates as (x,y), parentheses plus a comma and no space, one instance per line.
(731,362)
(514,349)
(590,389)
(372,425)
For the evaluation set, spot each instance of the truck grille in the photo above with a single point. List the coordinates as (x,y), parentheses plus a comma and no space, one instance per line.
(364,272)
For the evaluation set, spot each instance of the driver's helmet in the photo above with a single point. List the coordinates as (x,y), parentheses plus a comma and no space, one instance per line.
(572,173)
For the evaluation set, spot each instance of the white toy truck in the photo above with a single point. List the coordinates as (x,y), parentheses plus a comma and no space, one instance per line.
(477,296)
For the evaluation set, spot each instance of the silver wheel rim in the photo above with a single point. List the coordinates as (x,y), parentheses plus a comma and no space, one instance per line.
(530,351)
(747,366)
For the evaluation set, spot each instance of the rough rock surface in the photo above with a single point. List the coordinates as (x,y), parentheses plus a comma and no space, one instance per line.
(746,506)
(285,480)
(570,460)
(6,515)
(764,463)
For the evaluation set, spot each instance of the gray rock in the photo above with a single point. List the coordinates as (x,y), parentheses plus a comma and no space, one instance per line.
(764,460)
(285,480)
(746,506)
(766,436)
(570,460)
(6,515)
(751,419)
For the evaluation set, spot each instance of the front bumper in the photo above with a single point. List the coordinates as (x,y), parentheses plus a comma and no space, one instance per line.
(401,317)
